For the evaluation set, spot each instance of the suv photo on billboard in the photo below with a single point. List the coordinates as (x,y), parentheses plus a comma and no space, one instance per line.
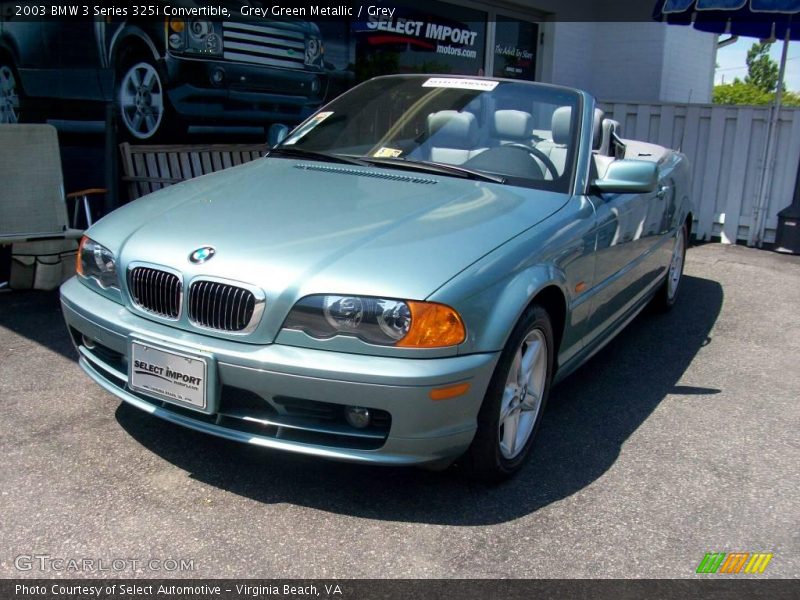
(164,73)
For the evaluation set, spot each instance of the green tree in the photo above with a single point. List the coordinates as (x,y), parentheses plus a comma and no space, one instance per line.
(762,71)
(740,92)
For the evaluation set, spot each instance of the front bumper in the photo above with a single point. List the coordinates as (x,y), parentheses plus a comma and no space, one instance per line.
(421,430)
(246,93)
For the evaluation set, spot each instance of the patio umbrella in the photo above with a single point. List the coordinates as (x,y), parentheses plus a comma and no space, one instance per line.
(764,19)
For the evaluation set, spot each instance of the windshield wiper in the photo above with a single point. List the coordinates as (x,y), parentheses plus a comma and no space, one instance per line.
(432,167)
(291,152)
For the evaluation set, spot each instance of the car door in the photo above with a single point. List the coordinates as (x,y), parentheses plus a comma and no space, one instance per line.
(627,228)
(75,54)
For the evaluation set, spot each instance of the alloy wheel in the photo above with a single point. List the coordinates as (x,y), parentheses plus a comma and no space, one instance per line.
(676,264)
(522,394)
(141,100)
(9,96)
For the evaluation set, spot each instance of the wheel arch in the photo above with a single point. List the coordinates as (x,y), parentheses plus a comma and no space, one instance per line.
(689,222)
(132,38)
(8,48)
(541,284)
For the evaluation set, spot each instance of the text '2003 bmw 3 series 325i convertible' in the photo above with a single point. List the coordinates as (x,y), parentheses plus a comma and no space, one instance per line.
(400,281)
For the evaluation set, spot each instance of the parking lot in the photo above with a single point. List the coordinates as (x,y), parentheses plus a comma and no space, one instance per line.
(678,439)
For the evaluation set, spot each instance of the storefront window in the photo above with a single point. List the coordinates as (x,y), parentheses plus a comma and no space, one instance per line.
(420,37)
(515,49)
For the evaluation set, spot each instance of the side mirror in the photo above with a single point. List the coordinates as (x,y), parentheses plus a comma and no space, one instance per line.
(276,134)
(628,177)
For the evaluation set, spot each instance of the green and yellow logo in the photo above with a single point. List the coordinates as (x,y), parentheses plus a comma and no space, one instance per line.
(734,562)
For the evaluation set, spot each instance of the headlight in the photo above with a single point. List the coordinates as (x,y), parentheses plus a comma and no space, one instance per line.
(198,36)
(402,323)
(97,262)
(313,50)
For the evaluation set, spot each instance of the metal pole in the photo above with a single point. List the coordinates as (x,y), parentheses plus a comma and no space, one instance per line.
(111,171)
(758,224)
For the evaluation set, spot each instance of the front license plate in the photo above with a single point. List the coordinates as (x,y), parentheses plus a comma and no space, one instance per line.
(168,375)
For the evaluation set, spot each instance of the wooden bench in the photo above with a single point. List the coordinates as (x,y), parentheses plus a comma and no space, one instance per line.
(147,168)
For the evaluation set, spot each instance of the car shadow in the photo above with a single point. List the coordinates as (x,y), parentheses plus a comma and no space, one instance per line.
(590,416)
(36,316)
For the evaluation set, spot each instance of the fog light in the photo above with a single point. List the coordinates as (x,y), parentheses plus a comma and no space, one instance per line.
(315,85)
(357,416)
(217,75)
(88,342)
(176,41)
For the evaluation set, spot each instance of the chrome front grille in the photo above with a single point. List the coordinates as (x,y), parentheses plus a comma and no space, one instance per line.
(222,306)
(156,291)
(263,45)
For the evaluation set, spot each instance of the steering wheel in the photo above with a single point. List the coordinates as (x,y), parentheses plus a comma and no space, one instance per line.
(535,152)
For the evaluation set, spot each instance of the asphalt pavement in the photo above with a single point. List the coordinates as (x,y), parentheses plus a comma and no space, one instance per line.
(678,439)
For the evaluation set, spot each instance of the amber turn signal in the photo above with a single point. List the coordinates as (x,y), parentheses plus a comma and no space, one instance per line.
(78,262)
(177,25)
(433,326)
(451,391)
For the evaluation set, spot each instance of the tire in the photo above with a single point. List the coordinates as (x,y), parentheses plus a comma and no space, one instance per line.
(11,95)
(142,103)
(667,293)
(514,404)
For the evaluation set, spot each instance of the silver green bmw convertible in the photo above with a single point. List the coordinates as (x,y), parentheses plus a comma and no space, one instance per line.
(401,280)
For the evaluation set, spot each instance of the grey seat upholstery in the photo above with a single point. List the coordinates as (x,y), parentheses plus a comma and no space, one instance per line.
(512,126)
(556,147)
(609,128)
(452,137)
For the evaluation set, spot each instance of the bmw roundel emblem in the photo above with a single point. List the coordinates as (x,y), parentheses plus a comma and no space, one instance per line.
(201,255)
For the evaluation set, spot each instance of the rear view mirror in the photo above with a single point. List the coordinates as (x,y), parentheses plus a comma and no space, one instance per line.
(276,134)
(628,177)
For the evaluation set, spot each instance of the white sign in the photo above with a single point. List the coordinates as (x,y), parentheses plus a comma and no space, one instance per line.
(168,375)
(461,84)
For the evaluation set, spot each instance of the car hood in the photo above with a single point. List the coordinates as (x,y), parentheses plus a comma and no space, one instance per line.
(296,228)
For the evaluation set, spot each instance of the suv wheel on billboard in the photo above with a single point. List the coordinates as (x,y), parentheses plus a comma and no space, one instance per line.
(142,101)
(9,94)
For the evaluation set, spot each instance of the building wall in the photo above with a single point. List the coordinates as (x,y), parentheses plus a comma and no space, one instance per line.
(627,61)
(689,60)
(637,62)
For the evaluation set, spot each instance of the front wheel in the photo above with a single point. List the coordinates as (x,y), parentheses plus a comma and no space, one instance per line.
(512,409)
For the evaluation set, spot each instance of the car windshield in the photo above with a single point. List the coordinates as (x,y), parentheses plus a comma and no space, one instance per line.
(503,131)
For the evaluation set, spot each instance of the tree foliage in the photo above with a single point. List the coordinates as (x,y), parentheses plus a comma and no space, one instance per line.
(762,71)
(740,92)
(760,84)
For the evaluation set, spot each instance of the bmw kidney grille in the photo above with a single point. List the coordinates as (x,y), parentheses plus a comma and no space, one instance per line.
(156,291)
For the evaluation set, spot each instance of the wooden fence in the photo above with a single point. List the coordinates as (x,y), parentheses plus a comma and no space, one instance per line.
(726,145)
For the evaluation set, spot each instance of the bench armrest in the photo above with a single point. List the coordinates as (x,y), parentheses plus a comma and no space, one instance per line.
(87,192)
(85,195)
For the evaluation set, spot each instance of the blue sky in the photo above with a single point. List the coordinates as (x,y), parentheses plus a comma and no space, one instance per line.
(731,61)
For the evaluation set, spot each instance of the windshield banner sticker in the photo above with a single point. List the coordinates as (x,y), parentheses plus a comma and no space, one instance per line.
(385,152)
(461,84)
(307,126)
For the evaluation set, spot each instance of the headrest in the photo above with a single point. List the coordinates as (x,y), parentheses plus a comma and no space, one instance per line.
(597,128)
(512,124)
(562,118)
(453,129)
(609,127)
